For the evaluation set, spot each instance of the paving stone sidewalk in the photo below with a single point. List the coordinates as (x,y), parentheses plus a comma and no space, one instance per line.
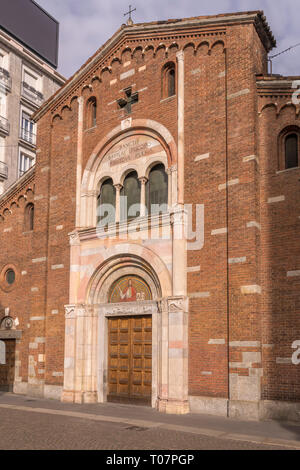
(162,431)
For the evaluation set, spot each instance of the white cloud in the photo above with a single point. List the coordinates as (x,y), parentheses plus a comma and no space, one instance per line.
(86,25)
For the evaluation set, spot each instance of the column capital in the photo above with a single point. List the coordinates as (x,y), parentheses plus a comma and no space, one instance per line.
(143,179)
(74,238)
(118,186)
(180,56)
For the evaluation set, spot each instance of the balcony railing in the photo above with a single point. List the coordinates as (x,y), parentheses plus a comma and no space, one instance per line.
(5,80)
(3,171)
(32,94)
(28,136)
(4,125)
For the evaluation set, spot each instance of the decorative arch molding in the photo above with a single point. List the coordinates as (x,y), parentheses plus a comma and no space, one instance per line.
(92,175)
(279,109)
(128,259)
(200,42)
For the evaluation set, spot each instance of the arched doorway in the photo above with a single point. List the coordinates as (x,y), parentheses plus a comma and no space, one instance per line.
(129,352)
(125,293)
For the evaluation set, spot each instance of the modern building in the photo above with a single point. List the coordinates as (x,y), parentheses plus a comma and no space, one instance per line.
(187,298)
(28,77)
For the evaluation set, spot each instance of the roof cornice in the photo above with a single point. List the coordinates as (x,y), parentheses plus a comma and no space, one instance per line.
(17,186)
(128,31)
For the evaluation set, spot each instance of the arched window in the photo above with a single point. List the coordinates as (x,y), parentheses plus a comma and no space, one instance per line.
(157,190)
(291,147)
(106,203)
(29,217)
(168,80)
(130,197)
(91,113)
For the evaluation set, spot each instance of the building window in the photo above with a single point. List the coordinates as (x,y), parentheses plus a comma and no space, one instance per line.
(27,129)
(10,276)
(157,190)
(91,113)
(130,197)
(32,87)
(291,151)
(29,217)
(25,163)
(168,80)
(289,148)
(30,79)
(106,203)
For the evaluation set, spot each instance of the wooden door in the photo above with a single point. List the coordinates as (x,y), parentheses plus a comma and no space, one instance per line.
(130,359)
(7,370)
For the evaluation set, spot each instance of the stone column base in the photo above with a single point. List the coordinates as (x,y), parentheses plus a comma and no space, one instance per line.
(79,397)
(68,396)
(175,407)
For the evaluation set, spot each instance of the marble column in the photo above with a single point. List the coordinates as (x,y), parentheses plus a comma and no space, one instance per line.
(143,209)
(118,202)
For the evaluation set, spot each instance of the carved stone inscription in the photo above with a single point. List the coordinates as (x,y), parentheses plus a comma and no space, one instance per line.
(132,148)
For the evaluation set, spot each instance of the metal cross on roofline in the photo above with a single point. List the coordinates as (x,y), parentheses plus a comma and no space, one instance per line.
(129,21)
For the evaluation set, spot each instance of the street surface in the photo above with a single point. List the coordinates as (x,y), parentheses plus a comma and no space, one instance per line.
(33,424)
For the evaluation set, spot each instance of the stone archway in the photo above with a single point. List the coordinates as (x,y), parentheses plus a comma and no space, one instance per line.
(86,332)
(128,331)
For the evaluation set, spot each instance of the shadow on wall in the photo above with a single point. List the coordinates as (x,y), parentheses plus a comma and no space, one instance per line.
(281,310)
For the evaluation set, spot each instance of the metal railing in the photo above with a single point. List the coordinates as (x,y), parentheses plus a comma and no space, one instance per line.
(32,94)
(3,171)
(28,136)
(4,125)
(5,79)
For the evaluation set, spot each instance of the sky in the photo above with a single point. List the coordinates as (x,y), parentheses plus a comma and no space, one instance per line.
(87,24)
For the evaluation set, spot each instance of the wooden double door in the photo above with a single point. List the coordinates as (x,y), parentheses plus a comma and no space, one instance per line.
(130,359)
(7,365)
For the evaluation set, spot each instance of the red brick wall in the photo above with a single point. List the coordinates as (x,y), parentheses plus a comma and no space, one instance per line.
(221,119)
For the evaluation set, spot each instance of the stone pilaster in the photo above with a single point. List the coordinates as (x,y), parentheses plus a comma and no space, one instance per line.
(173,390)
(80,375)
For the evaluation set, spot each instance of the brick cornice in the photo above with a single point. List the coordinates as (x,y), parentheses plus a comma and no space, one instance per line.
(18,187)
(158,31)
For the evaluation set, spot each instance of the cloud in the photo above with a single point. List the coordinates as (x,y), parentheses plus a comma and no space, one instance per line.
(85,26)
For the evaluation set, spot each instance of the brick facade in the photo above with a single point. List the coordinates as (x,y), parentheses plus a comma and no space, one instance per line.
(242,285)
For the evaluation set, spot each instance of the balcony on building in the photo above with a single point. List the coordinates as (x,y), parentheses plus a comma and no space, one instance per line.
(28,136)
(5,80)
(4,125)
(3,171)
(32,95)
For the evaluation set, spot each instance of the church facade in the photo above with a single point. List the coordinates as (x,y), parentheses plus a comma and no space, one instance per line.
(152,255)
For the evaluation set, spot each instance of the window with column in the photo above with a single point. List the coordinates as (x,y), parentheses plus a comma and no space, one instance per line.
(106,203)
(157,190)
(130,204)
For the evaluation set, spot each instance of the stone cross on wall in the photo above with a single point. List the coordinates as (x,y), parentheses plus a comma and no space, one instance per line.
(129,100)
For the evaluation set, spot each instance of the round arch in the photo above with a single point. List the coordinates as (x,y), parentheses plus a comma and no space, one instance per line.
(141,262)
(94,172)
(139,127)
